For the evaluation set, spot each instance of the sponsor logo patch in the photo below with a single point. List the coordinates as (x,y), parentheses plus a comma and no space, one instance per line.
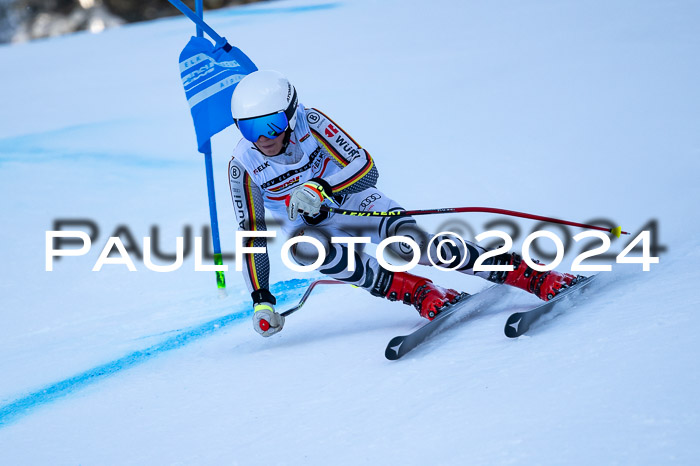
(331,130)
(285,185)
(313,117)
(369,200)
(261,168)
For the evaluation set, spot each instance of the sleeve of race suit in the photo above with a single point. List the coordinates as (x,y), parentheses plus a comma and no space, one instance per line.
(250,216)
(358,169)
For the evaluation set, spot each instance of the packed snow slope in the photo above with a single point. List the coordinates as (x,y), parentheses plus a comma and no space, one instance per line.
(579,110)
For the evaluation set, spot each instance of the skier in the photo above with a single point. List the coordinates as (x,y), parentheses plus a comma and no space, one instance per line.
(291,161)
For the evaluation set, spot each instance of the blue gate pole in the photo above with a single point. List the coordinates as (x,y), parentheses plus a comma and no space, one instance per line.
(198,19)
(214,220)
(199,10)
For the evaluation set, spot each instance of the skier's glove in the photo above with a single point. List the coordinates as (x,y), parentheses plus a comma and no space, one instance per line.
(266,321)
(307,198)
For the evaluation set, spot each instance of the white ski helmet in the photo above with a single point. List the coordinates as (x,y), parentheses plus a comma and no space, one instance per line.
(264,103)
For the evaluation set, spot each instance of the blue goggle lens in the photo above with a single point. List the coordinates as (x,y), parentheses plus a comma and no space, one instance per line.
(269,126)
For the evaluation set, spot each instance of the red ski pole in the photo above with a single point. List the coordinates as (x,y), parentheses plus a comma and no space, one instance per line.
(449,210)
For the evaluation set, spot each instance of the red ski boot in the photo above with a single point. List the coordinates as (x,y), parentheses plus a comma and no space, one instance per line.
(420,292)
(544,285)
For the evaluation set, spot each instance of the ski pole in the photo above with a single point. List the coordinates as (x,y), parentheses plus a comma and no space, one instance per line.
(308,292)
(449,210)
(265,325)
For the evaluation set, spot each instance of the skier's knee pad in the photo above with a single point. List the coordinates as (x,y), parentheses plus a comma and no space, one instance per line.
(410,229)
(305,252)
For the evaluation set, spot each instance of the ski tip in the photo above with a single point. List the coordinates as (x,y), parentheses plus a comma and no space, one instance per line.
(393,349)
(616,231)
(512,328)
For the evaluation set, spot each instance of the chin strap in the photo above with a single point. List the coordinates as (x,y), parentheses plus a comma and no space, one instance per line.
(287,138)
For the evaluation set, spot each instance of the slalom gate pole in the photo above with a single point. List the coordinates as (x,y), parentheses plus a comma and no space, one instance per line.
(197,18)
(450,210)
(199,11)
(208,166)
(213,219)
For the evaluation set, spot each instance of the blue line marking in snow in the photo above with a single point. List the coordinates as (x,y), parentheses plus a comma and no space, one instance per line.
(56,145)
(23,406)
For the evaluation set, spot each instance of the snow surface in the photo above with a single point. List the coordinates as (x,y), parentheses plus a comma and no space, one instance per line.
(580,110)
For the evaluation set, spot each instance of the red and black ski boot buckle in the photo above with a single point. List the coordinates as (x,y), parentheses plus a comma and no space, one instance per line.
(428,298)
(544,285)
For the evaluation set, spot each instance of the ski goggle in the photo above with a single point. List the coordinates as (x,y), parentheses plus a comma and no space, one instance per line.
(270,126)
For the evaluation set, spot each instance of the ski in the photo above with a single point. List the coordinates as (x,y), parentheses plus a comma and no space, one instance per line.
(453,314)
(520,322)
